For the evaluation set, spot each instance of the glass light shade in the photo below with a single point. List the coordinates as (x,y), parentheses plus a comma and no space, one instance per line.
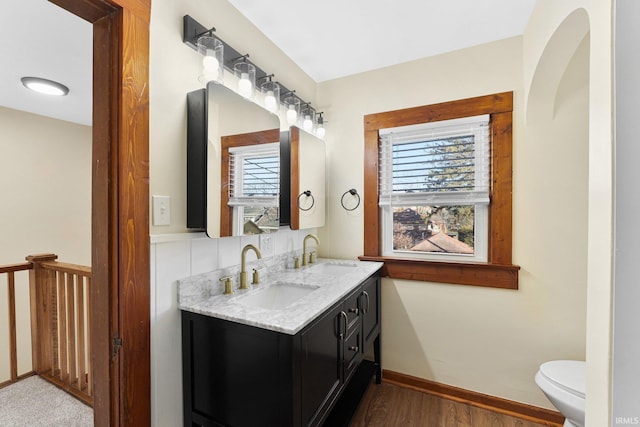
(292,107)
(308,117)
(246,74)
(320,130)
(271,91)
(212,50)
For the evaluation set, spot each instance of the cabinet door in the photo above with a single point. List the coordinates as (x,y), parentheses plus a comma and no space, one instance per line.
(321,365)
(370,309)
(229,367)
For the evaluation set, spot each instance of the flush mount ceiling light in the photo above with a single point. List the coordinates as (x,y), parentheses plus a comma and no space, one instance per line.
(48,87)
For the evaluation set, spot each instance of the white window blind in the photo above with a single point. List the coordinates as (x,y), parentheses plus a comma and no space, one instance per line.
(254,175)
(435,163)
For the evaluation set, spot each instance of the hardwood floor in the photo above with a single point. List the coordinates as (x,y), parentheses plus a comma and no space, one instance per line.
(387,405)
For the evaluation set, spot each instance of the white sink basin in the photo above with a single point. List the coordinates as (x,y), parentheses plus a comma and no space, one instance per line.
(334,268)
(277,296)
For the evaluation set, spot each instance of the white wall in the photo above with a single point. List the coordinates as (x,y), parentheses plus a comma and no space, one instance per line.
(45,183)
(626,346)
(547,17)
(487,340)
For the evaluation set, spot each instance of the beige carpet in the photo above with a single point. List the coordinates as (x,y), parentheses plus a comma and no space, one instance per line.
(35,402)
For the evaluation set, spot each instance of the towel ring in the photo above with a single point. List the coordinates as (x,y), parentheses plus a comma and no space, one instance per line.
(353,192)
(308,194)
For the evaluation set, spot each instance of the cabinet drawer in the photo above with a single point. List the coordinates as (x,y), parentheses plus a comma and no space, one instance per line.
(352,353)
(352,309)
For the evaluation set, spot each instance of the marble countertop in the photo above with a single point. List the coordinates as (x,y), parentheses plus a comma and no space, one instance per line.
(332,279)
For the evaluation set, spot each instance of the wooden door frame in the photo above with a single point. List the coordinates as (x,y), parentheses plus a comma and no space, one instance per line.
(120,336)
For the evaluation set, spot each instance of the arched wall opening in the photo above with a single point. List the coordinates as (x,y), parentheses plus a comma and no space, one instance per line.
(554,61)
(551,187)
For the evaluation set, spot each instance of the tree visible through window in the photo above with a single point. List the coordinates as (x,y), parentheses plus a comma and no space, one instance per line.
(429,201)
(434,189)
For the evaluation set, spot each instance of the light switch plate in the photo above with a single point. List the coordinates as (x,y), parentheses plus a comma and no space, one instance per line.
(161,210)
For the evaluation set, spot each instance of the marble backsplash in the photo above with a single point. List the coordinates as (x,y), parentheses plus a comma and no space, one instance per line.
(201,286)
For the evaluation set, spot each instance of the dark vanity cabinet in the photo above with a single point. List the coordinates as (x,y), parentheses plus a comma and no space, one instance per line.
(240,375)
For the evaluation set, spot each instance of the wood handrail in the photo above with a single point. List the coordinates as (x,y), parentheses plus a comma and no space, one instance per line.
(64,267)
(60,318)
(16,267)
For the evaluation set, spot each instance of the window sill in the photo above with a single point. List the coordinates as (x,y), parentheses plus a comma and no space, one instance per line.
(481,274)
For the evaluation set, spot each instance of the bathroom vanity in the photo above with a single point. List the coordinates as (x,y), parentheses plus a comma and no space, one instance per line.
(282,353)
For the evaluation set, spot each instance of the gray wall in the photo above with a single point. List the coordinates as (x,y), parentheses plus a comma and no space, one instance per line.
(626,332)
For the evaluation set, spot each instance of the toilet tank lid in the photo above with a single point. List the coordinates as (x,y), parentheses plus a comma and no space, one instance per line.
(570,374)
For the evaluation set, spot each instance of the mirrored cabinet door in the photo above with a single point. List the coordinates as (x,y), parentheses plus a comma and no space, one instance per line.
(305,154)
(233,164)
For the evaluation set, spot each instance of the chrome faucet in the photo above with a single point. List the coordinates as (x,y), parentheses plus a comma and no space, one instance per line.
(243,271)
(304,249)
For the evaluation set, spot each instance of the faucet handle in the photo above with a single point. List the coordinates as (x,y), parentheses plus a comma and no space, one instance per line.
(296,262)
(228,284)
(312,257)
(256,276)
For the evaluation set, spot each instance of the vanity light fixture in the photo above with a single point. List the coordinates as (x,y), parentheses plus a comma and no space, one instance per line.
(246,74)
(220,56)
(271,91)
(320,130)
(212,51)
(292,108)
(308,115)
(45,86)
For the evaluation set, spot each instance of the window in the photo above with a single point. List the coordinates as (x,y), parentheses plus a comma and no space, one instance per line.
(434,190)
(249,183)
(254,183)
(441,170)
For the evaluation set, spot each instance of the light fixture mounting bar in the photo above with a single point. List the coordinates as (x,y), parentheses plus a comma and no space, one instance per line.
(192,29)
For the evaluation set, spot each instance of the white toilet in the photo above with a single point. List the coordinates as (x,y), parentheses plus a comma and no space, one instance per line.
(564,383)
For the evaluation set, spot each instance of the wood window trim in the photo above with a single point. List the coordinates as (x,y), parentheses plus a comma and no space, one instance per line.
(498,271)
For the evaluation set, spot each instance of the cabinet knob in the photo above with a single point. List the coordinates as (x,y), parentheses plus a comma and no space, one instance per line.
(353,348)
(354,311)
